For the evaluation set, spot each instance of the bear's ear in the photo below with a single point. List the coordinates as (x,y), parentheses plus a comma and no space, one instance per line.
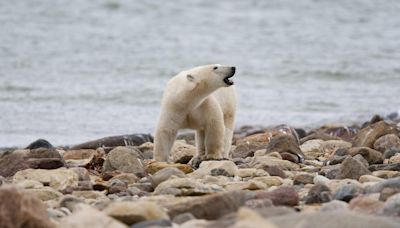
(190,78)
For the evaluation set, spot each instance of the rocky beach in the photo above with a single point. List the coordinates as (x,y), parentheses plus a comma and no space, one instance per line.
(331,176)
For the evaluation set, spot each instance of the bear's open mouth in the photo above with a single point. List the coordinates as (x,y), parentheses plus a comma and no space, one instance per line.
(228,80)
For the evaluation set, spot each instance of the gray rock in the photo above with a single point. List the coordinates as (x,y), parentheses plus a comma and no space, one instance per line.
(390,152)
(124,159)
(393,167)
(347,191)
(153,224)
(165,174)
(389,183)
(319,193)
(392,205)
(334,205)
(182,218)
(351,168)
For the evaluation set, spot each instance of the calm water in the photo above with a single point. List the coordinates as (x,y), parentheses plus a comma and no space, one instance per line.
(76,70)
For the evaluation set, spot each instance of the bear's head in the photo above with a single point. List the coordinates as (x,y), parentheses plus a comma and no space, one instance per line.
(211,76)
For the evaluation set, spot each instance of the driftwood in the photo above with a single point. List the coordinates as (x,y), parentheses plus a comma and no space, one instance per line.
(114,141)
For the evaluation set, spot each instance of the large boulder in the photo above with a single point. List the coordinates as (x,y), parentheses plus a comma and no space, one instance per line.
(18,208)
(126,160)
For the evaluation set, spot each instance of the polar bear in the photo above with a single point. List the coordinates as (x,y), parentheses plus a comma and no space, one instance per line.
(202,98)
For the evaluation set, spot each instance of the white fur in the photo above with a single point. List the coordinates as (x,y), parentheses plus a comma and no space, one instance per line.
(198,99)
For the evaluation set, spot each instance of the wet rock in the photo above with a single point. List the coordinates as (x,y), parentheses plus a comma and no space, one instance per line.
(182,152)
(56,178)
(21,209)
(115,141)
(371,155)
(334,205)
(89,217)
(185,187)
(285,196)
(333,220)
(366,204)
(134,212)
(319,193)
(153,167)
(392,205)
(206,167)
(124,159)
(165,174)
(351,168)
(285,143)
(391,152)
(303,179)
(367,136)
(274,171)
(387,142)
(210,207)
(40,143)
(347,191)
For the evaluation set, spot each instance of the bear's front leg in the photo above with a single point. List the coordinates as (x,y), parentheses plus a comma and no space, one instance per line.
(163,142)
(214,140)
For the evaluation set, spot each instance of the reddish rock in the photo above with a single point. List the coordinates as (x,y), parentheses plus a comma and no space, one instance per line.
(284,196)
(274,171)
(371,155)
(303,179)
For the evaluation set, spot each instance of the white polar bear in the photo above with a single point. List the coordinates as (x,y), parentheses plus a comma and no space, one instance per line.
(203,99)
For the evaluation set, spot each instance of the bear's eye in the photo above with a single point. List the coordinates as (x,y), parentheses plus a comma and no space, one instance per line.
(215,68)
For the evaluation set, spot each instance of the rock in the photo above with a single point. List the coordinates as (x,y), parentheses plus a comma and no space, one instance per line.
(391,152)
(285,196)
(331,146)
(387,142)
(303,179)
(392,205)
(220,172)
(115,141)
(330,171)
(367,136)
(134,212)
(392,167)
(40,143)
(154,166)
(165,174)
(386,174)
(45,193)
(259,203)
(267,160)
(285,143)
(147,149)
(395,159)
(318,179)
(248,185)
(127,178)
(366,204)
(57,178)
(116,186)
(185,187)
(247,149)
(319,193)
(318,136)
(361,159)
(388,192)
(79,158)
(332,220)
(182,152)
(182,218)
(206,167)
(249,172)
(369,178)
(274,171)
(371,155)
(153,223)
(347,191)
(2,180)
(210,207)
(124,159)
(351,168)
(24,159)
(89,217)
(247,218)
(18,208)
(389,183)
(334,205)
(313,149)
